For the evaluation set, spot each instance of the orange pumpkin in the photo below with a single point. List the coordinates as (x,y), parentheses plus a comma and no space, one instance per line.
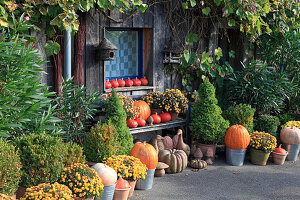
(144,109)
(146,153)
(237,137)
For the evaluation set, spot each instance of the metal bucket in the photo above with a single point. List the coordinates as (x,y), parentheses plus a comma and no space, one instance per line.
(108,192)
(293,150)
(147,183)
(235,157)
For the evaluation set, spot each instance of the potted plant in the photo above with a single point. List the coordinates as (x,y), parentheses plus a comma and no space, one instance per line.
(84,181)
(174,102)
(54,191)
(261,145)
(154,99)
(132,112)
(207,125)
(129,167)
(290,136)
(279,155)
(236,140)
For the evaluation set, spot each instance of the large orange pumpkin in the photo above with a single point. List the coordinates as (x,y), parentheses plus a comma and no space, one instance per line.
(237,137)
(146,153)
(144,108)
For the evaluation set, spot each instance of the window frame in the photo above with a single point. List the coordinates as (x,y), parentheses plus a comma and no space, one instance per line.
(140,53)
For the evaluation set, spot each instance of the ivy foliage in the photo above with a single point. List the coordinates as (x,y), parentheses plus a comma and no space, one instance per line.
(207,124)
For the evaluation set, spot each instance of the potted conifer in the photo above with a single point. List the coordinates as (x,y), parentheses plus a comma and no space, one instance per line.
(207,125)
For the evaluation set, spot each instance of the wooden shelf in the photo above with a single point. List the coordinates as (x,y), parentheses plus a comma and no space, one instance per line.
(160,126)
(133,88)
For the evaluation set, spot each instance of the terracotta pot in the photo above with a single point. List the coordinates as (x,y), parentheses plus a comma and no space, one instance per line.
(79,198)
(259,157)
(174,116)
(20,192)
(205,147)
(132,185)
(156,111)
(122,194)
(279,158)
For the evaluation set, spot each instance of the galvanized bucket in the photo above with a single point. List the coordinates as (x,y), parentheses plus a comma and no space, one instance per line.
(108,192)
(147,183)
(235,157)
(293,150)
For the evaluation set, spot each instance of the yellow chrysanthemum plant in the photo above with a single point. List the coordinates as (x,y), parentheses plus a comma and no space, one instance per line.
(292,124)
(132,112)
(154,99)
(82,180)
(174,101)
(262,141)
(48,191)
(5,197)
(129,167)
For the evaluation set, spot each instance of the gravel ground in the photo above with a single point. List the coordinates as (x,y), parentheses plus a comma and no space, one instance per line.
(221,181)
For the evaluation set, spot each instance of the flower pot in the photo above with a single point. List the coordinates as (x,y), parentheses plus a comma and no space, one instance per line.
(279,158)
(205,147)
(293,150)
(156,111)
(79,198)
(174,116)
(108,192)
(259,157)
(132,185)
(147,183)
(121,194)
(235,157)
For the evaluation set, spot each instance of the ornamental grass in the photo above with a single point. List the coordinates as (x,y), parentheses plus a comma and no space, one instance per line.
(262,141)
(129,167)
(47,191)
(83,181)
(292,124)
(154,99)
(174,101)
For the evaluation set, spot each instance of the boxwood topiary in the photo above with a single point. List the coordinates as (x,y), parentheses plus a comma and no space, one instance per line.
(10,168)
(74,154)
(42,157)
(268,124)
(207,124)
(115,113)
(241,114)
(101,142)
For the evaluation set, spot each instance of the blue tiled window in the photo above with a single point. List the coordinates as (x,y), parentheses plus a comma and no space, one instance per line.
(129,56)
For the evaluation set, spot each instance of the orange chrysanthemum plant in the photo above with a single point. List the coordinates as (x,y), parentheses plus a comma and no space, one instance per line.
(262,141)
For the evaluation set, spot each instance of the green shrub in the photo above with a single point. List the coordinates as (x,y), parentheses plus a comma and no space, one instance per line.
(284,118)
(74,154)
(101,142)
(10,168)
(75,107)
(241,114)
(24,102)
(207,124)
(42,157)
(268,124)
(116,114)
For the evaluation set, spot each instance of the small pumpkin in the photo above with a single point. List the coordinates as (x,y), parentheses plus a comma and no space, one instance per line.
(114,83)
(107,85)
(165,117)
(146,153)
(290,135)
(237,137)
(128,83)
(144,81)
(106,173)
(144,109)
(176,159)
(156,118)
(121,82)
(279,150)
(198,164)
(131,123)
(136,82)
(140,121)
(122,184)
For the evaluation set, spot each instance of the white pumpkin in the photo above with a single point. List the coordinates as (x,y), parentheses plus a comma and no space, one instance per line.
(106,173)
